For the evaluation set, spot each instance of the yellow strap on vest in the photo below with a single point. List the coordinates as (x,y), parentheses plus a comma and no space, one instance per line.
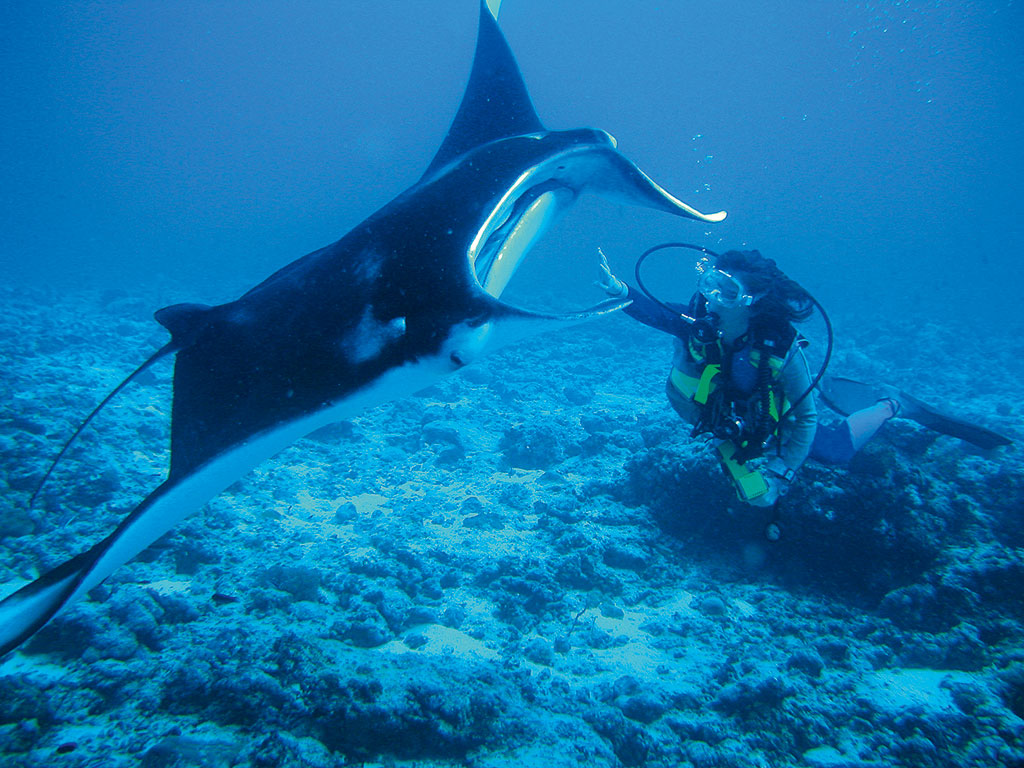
(683,384)
(693,388)
(750,484)
(705,384)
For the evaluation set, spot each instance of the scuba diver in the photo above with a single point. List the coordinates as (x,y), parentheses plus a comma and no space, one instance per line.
(740,375)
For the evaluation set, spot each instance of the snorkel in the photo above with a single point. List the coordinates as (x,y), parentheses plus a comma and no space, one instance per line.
(717,282)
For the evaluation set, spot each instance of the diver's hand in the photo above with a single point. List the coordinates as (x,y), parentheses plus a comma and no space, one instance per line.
(778,477)
(609,282)
(777,488)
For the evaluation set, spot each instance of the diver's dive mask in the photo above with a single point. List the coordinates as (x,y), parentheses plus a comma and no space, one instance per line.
(722,288)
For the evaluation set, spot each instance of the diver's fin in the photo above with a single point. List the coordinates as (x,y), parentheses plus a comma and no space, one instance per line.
(847,395)
(928,416)
(165,350)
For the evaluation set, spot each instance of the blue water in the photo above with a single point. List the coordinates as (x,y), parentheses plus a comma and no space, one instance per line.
(531,563)
(872,141)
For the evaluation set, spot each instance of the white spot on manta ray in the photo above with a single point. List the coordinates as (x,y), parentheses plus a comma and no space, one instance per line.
(368,268)
(368,339)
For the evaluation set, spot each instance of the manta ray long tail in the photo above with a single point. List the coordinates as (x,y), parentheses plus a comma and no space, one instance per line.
(160,353)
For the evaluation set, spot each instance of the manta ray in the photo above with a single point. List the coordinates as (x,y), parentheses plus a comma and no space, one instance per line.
(411,294)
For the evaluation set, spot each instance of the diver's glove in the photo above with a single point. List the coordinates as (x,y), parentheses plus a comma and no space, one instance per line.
(778,477)
(609,282)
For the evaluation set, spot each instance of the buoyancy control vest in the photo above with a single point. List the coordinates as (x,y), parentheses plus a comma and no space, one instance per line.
(739,394)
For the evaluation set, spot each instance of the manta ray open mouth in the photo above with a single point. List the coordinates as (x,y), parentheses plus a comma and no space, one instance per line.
(565,164)
(529,207)
(517,222)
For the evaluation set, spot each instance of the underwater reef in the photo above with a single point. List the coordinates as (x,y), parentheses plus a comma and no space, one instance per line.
(529,564)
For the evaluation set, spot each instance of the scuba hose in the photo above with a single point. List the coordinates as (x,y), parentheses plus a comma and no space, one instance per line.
(762,427)
(705,330)
(824,362)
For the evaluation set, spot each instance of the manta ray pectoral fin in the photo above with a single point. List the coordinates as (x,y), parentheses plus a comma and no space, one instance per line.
(495,104)
(25,611)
